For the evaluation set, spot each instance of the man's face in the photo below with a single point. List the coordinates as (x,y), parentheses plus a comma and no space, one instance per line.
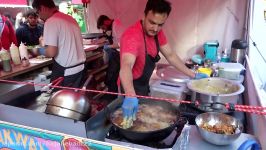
(42,13)
(106,25)
(32,20)
(103,28)
(153,22)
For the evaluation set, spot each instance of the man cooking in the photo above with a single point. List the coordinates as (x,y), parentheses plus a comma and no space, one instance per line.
(140,47)
(63,41)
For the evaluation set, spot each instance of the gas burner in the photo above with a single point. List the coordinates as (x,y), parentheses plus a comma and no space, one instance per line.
(190,112)
(213,107)
(114,136)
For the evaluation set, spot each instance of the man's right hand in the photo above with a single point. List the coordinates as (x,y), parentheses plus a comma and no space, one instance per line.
(200,76)
(130,109)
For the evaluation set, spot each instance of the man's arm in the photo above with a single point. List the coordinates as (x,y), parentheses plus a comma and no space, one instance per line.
(114,45)
(126,76)
(175,60)
(51,51)
(117,33)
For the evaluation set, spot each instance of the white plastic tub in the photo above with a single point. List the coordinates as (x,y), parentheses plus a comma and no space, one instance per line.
(164,89)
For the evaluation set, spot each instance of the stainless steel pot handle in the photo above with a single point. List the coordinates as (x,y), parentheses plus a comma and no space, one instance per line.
(181,121)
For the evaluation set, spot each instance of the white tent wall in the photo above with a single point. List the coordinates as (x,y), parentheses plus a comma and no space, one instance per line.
(255,70)
(190,24)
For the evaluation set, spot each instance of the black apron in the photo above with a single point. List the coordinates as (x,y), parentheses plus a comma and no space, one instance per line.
(141,84)
(69,81)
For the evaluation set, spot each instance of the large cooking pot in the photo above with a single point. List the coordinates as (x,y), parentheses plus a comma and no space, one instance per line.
(155,135)
(216,91)
(70,104)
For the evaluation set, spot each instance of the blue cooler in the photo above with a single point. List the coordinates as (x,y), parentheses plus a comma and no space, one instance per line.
(210,50)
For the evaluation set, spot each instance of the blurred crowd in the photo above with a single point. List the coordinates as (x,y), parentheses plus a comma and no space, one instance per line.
(25,27)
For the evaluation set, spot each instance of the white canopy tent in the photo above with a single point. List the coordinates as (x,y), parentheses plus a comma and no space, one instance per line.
(190,24)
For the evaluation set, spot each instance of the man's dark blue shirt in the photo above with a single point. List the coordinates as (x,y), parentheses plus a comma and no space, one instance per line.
(29,36)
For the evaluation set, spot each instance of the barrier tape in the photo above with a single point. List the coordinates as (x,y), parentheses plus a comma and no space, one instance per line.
(244,108)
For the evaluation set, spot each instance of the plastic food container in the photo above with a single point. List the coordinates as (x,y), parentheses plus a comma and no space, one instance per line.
(164,89)
(207,71)
(230,71)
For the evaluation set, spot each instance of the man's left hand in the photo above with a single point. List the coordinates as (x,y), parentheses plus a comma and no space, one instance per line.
(106,47)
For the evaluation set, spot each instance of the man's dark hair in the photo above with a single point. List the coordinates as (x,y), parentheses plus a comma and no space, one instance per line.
(47,3)
(31,12)
(158,6)
(101,20)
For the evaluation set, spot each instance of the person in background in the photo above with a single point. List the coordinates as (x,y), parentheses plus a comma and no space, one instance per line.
(63,42)
(7,33)
(139,52)
(20,19)
(112,29)
(30,32)
(8,15)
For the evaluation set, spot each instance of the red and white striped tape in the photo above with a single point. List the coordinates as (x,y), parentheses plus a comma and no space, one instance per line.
(243,108)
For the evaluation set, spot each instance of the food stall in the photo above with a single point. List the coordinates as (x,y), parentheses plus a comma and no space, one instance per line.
(212,28)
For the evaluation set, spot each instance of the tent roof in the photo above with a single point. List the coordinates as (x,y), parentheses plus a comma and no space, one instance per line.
(13,3)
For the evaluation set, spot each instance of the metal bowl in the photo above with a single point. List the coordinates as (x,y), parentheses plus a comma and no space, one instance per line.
(215,90)
(212,118)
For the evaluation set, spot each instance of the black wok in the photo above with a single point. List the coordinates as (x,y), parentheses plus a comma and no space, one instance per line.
(155,135)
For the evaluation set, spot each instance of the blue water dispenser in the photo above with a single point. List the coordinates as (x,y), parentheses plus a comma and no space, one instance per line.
(210,50)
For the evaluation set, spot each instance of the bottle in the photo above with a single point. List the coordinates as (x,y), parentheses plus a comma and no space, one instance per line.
(14,52)
(225,57)
(25,62)
(218,57)
(23,51)
(5,57)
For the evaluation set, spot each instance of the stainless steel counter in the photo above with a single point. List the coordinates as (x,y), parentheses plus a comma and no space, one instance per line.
(42,120)
(9,91)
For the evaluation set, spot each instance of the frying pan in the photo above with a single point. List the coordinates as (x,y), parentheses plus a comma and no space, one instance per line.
(156,135)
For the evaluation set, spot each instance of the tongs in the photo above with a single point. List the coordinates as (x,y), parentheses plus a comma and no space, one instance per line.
(53,83)
(46,90)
